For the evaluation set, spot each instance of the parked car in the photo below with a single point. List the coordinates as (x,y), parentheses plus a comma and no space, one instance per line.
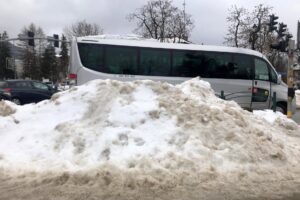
(3,96)
(25,91)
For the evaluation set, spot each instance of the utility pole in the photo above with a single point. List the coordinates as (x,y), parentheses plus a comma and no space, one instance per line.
(290,77)
(184,4)
(184,21)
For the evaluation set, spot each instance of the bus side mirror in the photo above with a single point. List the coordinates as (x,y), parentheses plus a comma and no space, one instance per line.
(279,79)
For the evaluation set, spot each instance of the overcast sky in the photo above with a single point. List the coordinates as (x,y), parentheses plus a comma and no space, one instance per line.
(209,15)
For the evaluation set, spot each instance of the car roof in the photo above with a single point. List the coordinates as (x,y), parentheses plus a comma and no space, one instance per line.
(19,80)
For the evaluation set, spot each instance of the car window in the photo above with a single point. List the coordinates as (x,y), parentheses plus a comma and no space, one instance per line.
(3,84)
(22,85)
(40,86)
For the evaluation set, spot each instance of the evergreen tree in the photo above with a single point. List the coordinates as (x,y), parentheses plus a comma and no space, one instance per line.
(64,59)
(49,64)
(4,55)
(32,55)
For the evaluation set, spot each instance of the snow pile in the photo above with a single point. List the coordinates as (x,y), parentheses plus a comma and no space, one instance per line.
(277,118)
(6,109)
(133,37)
(150,134)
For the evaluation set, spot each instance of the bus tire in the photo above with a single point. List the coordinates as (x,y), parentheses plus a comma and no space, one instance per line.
(281,107)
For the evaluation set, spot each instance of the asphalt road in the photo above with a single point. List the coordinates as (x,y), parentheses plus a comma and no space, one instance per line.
(296,116)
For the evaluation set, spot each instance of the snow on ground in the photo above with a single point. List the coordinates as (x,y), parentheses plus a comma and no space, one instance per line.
(271,117)
(144,139)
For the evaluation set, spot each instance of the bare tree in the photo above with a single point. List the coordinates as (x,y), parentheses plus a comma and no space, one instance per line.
(159,19)
(259,37)
(180,27)
(82,28)
(249,29)
(236,19)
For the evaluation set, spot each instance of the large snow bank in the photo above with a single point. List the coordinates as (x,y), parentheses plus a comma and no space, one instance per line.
(130,134)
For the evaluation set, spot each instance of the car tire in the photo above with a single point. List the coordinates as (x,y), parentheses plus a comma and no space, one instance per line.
(280,107)
(16,101)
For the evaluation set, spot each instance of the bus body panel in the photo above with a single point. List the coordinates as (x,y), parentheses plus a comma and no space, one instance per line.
(240,90)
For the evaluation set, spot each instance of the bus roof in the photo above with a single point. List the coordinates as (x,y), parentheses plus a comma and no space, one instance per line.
(135,41)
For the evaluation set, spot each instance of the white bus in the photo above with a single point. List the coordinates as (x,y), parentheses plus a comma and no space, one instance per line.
(244,76)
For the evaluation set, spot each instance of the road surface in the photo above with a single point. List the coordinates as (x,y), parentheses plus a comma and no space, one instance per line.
(296,116)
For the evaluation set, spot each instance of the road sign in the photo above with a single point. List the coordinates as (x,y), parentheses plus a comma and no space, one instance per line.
(10,63)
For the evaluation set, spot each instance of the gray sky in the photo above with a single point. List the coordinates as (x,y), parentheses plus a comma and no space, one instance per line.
(209,15)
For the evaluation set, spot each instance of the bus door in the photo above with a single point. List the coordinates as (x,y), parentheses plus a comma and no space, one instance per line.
(233,75)
(261,88)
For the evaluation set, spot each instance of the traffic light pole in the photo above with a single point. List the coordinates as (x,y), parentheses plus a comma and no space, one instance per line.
(290,77)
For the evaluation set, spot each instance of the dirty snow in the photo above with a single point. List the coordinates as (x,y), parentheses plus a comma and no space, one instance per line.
(146,138)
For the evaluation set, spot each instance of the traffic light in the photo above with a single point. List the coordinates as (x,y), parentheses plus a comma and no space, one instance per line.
(30,38)
(273,23)
(280,46)
(282,30)
(283,44)
(56,40)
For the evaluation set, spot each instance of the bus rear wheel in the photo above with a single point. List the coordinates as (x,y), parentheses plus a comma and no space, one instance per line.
(281,107)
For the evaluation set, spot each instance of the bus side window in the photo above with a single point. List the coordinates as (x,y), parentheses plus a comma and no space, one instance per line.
(261,70)
(121,60)
(155,62)
(243,68)
(188,64)
(221,65)
(91,56)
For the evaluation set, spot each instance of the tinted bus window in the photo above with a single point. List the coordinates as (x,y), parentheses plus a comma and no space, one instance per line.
(189,64)
(91,56)
(121,60)
(203,64)
(243,67)
(155,62)
(220,65)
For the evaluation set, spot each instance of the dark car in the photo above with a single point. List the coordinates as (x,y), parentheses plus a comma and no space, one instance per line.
(25,91)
